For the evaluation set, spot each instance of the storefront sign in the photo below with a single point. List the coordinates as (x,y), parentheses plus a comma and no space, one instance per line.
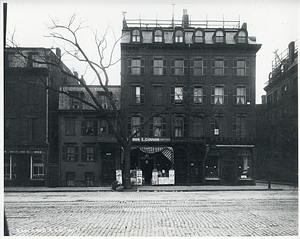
(146,139)
(22,152)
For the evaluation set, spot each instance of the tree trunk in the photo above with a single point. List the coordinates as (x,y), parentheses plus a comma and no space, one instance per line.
(126,168)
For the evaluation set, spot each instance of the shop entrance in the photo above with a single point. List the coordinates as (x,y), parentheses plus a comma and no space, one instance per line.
(228,172)
(196,172)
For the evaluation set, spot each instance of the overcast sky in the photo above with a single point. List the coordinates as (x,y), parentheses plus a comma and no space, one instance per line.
(274,23)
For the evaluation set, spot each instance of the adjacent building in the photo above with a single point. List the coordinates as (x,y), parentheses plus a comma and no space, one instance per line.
(278,151)
(30,116)
(89,153)
(188,91)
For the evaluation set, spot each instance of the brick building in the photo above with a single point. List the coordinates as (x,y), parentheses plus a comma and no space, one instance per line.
(30,116)
(278,149)
(89,153)
(188,89)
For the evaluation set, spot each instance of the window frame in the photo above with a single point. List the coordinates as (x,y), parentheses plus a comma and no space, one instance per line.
(39,164)
(179,130)
(202,96)
(70,156)
(179,70)
(223,68)
(195,68)
(223,96)
(241,39)
(158,98)
(89,127)
(219,39)
(245,68)
(138,69)
(174,95)
(137,98)
(178,38)
(155,68)
(202,37)
(138,127)
(158,38)
(136,38)
(239,128)
(87,155)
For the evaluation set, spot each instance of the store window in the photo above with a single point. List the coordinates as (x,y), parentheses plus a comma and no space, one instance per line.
(136,36)
(212,167)
(136,66)
(9,167)
(198,67)
(89,127)
(158,36)
(37,167)
(244,166)
(137,94)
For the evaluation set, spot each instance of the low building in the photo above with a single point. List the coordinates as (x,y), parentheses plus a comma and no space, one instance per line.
(89,153)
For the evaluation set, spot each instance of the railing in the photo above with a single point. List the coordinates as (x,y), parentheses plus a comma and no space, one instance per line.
(146,23)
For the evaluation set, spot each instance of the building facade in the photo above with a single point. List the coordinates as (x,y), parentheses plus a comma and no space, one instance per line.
(89,153)
(279,152)
(30,116)
(188,95)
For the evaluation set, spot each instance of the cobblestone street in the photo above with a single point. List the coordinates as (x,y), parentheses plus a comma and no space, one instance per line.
(215,213)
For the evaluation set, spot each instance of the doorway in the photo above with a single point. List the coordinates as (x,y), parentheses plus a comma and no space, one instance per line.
(228,173)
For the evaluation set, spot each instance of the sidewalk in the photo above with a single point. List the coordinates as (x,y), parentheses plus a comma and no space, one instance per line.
(258,187)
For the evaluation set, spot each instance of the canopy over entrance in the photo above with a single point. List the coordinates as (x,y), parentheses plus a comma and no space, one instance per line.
(168,152)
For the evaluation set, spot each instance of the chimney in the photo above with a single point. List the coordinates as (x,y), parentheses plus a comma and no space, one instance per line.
(291,53)
(185,19)
(244,26)
(75,73)
(58,52)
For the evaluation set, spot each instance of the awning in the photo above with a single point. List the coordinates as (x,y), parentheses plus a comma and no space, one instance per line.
(168,152)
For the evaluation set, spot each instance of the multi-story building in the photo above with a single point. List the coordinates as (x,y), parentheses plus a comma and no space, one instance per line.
(89,152)
(280,149)
(188,91)
(30,116)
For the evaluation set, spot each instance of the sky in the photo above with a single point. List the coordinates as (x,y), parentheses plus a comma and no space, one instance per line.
(274,23)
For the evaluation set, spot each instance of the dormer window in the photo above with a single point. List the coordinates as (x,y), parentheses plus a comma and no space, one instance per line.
(158,36)
(219,36)
(199,36)
(241,37)
(136,36)
(178,36)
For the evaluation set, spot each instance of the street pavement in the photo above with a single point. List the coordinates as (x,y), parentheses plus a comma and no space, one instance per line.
(218,212)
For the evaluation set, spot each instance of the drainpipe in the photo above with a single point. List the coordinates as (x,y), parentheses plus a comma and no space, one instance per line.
(188,117)
(47,135)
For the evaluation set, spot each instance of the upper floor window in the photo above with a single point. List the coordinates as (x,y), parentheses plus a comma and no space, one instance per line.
(199,36)
(241,37)
(179,67)
(103,128)
(158,66)
(103,100)
(88,153)
(179,126)
(158,127)
(75,100)
(199,95)
(158,95)
(177,94)
(158,36)
(219,67)
(136,66)
(219,95)
(219,36)
(70,153)
(178,36)
(218,125)
(240,95)
(239,125)
(136,36)
(137,94)
(198,67)
(89,127)
(241,67)
(135,126)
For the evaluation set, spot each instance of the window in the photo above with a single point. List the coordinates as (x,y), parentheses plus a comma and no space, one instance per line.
(103,99)
(219,95)
(196,127)
(70,126)
(239,125)
(158,127)
(199,37)
(218,125)
(136,36)
(137,94)
(89,127)
(179,67)
(177,94)
(158,95)
(136,66)
(70,153)
(178,36)
(9,167)
(212,167)
(179,126)
(89,179)
(70,179)
(135,126)
(219,36)
(75,102)
(241,95)
(158,36)
(88,153)
(158,66)
(37,167)
(241,67)
(103,127)
(241,37)
(219,67)
(244,165)
(198,95)
(17,60)
(198,67)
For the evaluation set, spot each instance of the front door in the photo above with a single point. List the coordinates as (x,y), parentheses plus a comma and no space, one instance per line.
(108,172)
(196,172)
(228,173)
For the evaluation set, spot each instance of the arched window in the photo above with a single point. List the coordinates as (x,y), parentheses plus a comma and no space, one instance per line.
(178,36)
(199,37)
(158,36)
(136,36)
(219,37)
(241,37)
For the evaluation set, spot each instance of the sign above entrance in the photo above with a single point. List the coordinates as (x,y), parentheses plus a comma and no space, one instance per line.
(146,139)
